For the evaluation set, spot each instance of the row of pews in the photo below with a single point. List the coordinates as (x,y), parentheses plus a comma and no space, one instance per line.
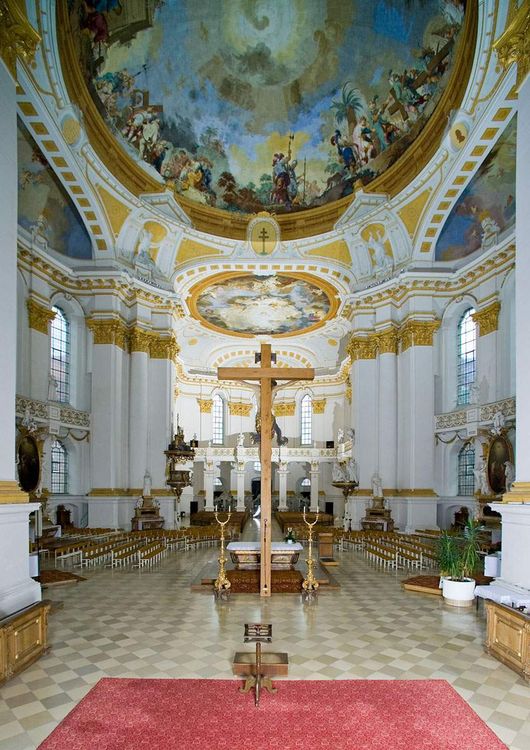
(391,550)
(135,548)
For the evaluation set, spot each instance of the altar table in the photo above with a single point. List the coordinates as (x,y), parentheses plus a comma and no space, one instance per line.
(247,555)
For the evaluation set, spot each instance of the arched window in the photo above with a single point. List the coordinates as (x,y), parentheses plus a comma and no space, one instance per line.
(466,466)
(60,355)
(466,370)
(218,420)
(306,414)
(59,474)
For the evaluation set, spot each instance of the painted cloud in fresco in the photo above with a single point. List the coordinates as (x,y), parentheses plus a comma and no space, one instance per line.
(42,200)
(277,104)
(489,196)
(263,304)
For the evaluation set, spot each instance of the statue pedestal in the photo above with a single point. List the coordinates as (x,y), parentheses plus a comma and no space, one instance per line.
(378,517)
(147,516)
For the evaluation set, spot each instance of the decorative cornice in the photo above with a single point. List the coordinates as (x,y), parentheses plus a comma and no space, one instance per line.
(240,408)
(513,46)
(487,319)
(417,333)
(284,408)
(319,405)
(205,405)
(134,339)
(39,316)
(18,38)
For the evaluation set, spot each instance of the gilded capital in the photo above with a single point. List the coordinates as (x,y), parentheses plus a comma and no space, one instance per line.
(140,340)
(319,405)
(417,333)
(362,347)
(240,408)
(386,341)
(205,405)
(39,316)
(164,347)
(284,409)
(513,46)
(487,318)
(18,38)
(109,331)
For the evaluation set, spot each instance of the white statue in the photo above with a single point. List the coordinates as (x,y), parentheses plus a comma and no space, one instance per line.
(377,485)
(499,421)
(140,502)
(350,434)
(481,479)
(52,388)
(380,260)
(352,472)
(509,473)
(28,422)
(340,435)
(240,440)
(337,473)
(474,393)
(147,485)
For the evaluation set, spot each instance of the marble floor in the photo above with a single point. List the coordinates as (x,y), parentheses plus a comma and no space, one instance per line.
(147,623)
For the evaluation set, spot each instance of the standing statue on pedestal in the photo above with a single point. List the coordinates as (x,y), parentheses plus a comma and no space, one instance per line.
(146,492)
(481,479)
(377,485)
(337,473)
(352,471)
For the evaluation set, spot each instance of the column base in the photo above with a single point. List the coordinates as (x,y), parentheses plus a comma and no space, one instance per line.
(20,596)
(520,493)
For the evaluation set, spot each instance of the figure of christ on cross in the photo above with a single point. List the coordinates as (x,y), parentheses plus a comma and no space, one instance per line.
(266,375)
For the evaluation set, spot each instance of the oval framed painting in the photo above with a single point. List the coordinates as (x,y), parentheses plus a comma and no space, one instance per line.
(500,450)
(29,463)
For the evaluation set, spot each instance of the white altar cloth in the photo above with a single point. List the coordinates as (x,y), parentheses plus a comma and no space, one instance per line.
(255,546)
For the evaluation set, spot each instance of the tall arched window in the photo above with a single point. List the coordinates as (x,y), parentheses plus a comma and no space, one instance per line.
(218,420)
(60,354)
(466,370)
(59,474)
(466,466)
(306,414)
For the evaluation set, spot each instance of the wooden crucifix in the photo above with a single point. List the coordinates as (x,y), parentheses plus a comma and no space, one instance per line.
(267,375)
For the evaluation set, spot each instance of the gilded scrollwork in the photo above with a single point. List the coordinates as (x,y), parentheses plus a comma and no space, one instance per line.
(39,316)
(513,46)
(487,318)
(18,38)
(240,408)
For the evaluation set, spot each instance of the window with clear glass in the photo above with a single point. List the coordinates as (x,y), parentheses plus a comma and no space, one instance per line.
(257,465)
(466,357)
(59,473)
(306,436)
(466,466)
(218,426)
(60,355)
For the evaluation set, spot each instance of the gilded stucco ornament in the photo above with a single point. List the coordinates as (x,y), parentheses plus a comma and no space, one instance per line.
(487,319)
(284,409)
(205,405)
(39,316)
(319,405)
(18,38)
(417,333)
(240,408)
(513,46)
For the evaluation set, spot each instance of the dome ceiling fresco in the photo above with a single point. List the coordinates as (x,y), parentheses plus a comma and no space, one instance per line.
(486,206)
(250,305)
(281,105)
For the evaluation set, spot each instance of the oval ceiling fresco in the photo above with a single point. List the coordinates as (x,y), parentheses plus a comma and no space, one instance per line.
(284,105)
(275,305)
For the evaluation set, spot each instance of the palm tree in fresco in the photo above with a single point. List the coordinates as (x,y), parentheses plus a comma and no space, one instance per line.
(348,106)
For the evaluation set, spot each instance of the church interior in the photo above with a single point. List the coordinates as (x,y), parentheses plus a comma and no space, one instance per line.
(265,297)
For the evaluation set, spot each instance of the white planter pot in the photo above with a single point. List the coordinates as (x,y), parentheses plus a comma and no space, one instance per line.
(458,593)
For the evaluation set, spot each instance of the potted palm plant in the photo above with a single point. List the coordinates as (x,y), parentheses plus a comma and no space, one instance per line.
(458,559)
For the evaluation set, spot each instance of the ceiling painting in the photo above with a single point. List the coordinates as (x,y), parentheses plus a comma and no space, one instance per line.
(275,305)
(44,206)
(487,205)
(279,105)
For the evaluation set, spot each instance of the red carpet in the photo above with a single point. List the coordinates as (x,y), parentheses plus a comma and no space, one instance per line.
(121,714)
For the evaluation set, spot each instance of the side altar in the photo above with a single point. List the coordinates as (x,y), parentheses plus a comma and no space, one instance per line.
(247,555)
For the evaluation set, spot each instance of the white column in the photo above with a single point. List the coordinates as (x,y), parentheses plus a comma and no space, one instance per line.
(282,486)
(17,589)
(138,416)
(209,478)
(160,427)
(387,418)
(240,488)
(515,565)
(314,475)
(364,392)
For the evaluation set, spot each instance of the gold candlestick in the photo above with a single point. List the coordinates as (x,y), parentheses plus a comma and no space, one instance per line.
(222,584)
(310,583)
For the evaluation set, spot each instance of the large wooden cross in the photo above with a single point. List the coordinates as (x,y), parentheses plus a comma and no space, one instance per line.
(266,374)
